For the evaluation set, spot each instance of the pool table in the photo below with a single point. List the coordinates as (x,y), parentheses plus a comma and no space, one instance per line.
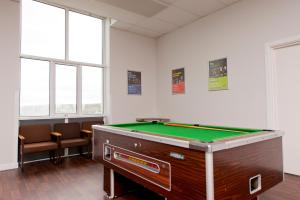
(188,161)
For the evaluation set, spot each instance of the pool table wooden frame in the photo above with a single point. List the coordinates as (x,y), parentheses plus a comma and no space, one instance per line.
(213,171)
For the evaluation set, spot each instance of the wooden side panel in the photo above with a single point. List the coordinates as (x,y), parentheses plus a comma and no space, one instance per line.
(187,175)
(234,167)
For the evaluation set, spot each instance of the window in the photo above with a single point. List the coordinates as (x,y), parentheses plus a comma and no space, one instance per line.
(85,41)
(65,87)
(92,90)
(43,30)
(62,62)
(34,96)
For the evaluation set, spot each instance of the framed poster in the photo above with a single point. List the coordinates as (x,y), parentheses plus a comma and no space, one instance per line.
(218,79)
(178,82)
(134,79)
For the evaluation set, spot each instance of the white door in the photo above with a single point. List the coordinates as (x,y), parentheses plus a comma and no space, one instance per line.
(288,74)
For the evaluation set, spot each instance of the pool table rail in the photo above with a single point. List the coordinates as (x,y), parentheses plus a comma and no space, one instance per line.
(195,144)
(241,141)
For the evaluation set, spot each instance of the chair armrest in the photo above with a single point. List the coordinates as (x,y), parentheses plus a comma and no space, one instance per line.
(21,137)
(86,133)
(56,134)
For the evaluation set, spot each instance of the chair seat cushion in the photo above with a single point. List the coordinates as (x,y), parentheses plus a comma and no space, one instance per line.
(74,142)
(40,146)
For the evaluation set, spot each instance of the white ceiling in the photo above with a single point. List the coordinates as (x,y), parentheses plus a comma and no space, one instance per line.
(154,18)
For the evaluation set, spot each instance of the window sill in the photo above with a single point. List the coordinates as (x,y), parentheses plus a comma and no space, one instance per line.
(59,117)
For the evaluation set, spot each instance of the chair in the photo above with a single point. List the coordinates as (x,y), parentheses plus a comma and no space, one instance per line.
(37,138)
(88,129)
(72,136)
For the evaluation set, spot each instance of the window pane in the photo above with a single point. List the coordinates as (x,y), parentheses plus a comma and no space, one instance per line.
(34,97)
(65,87)
(92,90)
(43,30)
(85,38)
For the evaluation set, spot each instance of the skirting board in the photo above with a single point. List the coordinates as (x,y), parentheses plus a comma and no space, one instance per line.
(8,166)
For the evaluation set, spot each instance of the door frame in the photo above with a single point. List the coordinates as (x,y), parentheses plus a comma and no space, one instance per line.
(271,78)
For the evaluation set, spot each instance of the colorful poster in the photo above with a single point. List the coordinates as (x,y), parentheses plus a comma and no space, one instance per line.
(134,82)
(218,79)
(178,83)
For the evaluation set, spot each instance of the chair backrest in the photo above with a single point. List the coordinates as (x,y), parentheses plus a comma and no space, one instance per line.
(88,125)
(69,130)
(35,133)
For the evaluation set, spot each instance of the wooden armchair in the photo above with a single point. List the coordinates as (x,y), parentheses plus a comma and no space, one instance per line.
(72,136)
(37,138)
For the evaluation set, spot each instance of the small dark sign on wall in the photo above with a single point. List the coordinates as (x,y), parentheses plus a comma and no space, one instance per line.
(178,82)
(134,82)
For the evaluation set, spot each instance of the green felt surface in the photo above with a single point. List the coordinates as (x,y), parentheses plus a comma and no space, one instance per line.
(187,133)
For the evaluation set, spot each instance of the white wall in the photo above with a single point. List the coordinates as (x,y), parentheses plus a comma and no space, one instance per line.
(132,52)
(238,33)
(9,82)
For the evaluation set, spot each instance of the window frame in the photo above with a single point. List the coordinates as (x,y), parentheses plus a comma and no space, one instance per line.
(53,62)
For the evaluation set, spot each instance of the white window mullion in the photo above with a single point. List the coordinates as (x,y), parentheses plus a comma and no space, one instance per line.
(106,71)
(67,35)
(79,90)
(52,89)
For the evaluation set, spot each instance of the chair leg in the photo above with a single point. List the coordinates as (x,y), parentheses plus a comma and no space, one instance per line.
(52,156)
(56,157)
(90,153)
(60,155)
(80,150)
(19,159)
(22,161)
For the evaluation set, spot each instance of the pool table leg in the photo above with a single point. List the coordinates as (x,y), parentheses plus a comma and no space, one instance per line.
(116,185)
(109,183)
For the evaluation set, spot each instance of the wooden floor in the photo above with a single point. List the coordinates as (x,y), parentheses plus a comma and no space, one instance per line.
(80,179)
